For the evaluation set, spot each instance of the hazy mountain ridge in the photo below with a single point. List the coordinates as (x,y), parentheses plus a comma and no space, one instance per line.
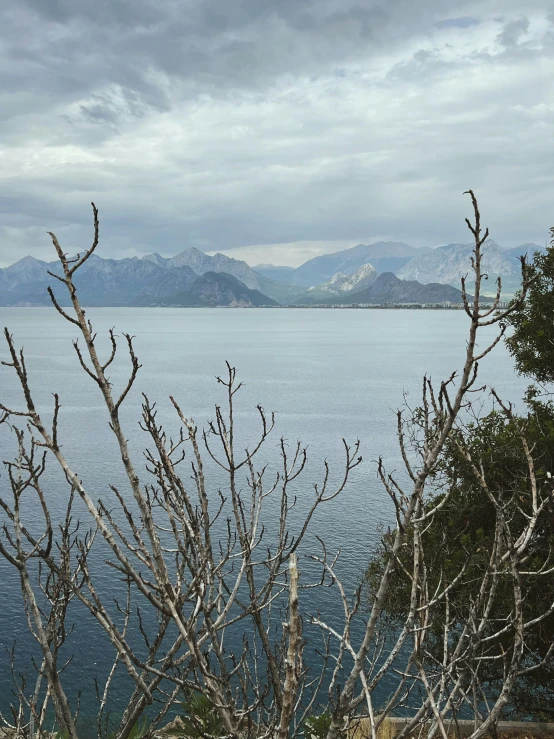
(153,279)
(124,282)
(272,272)
(99,281)
(447,264)
(527,249)
(388,288)
(121,282)
(444,265)
(201,263)
(321,269)
(213,289)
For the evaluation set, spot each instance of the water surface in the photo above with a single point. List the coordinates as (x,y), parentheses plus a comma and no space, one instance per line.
(328,374)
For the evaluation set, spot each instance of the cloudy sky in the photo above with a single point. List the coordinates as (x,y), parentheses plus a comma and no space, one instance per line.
(273,130)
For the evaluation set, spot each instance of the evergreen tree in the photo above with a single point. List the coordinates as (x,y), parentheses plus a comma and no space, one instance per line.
(532,340)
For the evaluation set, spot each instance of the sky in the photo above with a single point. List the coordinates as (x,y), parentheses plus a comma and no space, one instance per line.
(273,130)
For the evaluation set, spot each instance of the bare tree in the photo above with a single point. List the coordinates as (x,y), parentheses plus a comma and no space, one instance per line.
(422,440)
(190,587)
(164,548)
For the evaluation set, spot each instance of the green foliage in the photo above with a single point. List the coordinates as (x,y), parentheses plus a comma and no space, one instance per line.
(140,729)
(462,533)
(532,341)
(201,717)
(316,727)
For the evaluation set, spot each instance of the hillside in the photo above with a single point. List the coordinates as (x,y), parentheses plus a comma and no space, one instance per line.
(265,281)
(100,281)
(320,269)
(201,263)
(447,264)
(340,284)
(213,289)
(271,272)
(444,265)
(113,282)
(388,288)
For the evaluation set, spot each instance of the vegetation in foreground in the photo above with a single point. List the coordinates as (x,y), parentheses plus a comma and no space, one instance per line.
(213,606)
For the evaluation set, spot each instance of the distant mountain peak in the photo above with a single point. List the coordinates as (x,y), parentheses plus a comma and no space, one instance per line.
(447,264)
(384,255)
(366,274)
(215,289)
(527,249)
(365,271)
(341,283)
(201,263)
(192,250)
(25,263)
(155,257)
(270,266)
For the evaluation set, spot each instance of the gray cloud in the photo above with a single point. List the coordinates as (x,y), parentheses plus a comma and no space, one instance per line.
(464,22)
(513,31)
(221,125)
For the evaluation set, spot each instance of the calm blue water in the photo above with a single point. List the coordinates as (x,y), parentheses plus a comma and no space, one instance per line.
(328,374)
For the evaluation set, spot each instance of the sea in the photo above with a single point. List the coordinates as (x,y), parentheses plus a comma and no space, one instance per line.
(328,374)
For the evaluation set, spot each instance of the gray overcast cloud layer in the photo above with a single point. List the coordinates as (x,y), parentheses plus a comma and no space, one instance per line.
(307,124)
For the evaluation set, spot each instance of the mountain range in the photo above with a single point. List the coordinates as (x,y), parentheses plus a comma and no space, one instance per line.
(388,288)
(385,256)
(201,263)
(447,264)
(151,280)
(375,273)
(212,289)
(444,265)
